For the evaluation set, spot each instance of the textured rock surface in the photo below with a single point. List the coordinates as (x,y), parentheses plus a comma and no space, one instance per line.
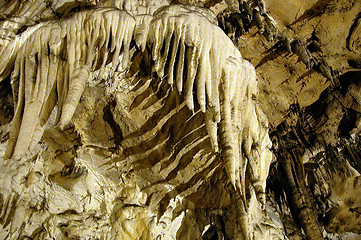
(137,119)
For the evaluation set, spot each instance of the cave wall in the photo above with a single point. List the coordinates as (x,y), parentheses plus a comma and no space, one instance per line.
(166,119)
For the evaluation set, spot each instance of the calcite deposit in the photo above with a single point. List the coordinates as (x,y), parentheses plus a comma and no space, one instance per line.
(146,119)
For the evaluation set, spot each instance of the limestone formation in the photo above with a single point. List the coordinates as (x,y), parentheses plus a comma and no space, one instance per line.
(147,119)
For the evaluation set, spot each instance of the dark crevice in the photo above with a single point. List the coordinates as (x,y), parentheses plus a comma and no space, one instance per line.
(349,78)
(108,117)
(347,123)
(6,102)
(352,28)
(354,63)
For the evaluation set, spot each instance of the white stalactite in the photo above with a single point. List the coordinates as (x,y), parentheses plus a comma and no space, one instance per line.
(44,78)
(53,62)
(208,66)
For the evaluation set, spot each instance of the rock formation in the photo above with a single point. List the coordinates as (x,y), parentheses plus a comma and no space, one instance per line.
(146,119)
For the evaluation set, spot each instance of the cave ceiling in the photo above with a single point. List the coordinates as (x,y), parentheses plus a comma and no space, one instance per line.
(135,145)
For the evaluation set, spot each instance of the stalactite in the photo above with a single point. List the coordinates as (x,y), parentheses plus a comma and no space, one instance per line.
(53,78)
(253,13)
(301,51)
(224,85)
(298,194)
(53,62)
(199,67)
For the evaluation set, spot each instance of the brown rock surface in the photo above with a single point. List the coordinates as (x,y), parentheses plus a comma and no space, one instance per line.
(136,155)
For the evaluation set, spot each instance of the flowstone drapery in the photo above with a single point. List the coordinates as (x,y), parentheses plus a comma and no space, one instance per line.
(125,119)
(42,79)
